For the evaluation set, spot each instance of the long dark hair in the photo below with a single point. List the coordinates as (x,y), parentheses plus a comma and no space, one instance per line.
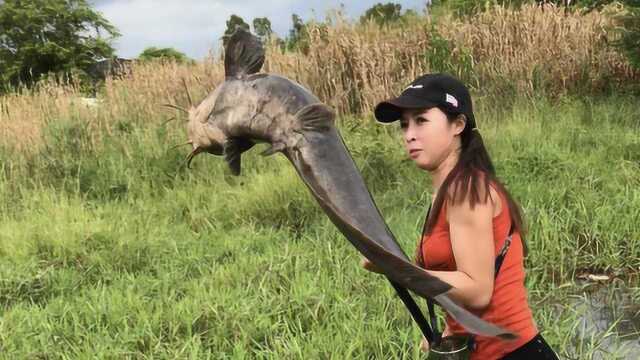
(473,171)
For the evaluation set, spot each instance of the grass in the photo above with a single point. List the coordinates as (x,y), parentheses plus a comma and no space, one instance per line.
(111,249)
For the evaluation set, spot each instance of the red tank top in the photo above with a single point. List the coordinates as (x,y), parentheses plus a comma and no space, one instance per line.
(508,307)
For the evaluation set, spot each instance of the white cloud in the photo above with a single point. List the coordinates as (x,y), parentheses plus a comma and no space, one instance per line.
(195,26)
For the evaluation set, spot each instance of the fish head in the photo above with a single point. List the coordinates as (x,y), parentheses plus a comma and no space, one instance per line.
(222,123)
(204,135)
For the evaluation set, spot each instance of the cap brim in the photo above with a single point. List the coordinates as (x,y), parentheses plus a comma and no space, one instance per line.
(391,110)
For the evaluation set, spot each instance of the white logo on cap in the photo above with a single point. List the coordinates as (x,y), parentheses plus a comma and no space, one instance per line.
(451,100)
(414,87)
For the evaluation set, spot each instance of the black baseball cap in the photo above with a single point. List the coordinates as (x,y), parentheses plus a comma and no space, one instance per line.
(427,91)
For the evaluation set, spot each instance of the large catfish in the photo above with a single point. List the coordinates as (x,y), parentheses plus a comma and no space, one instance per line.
(250,107)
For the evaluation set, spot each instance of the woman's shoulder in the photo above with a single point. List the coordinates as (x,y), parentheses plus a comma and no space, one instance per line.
(484,191)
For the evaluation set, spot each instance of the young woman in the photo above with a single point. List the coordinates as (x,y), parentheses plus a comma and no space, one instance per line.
(472,216)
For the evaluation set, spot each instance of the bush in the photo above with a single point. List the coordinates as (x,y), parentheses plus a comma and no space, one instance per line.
(629,42)
(443,56)
(163,54)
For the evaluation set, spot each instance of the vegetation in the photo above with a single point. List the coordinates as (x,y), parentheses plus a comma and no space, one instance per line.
(540,50)
(112,245)
(111,248)
(383,13)
(298,39)
(629,41)
(163,54)
(50,36)
(234,22)
(262,28)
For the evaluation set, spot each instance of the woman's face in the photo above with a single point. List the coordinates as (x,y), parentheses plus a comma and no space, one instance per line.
(429,137)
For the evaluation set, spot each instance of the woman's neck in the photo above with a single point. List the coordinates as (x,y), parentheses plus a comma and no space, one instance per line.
(439,174)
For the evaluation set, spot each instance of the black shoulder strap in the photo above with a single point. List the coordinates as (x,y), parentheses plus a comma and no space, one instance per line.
(503,251)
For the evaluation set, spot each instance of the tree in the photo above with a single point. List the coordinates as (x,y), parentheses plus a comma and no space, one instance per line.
(383,13)
(42,36)
(163,54)
(262,28)
(233,22)
(298,37)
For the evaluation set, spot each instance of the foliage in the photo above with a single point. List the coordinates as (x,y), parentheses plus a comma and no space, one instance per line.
(629,41)
(353,66)
(154,53)
(383,13)
(386,14)
(461,8)
(262,28)
(233,22)
(43,36)
(298,38)
(470,7)
(592,4)
(443,56)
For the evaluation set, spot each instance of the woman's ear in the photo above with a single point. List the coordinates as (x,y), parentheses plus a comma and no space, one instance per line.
(459,123)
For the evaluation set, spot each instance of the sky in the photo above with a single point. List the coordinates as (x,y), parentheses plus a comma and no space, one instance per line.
(196,26)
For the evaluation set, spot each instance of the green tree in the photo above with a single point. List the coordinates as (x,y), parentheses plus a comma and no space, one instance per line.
(383,13)
(262,28)
(233,22)
(42,36)
(298,36)
(162,54)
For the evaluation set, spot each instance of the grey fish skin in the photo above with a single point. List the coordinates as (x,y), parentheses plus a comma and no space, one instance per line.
(250,107)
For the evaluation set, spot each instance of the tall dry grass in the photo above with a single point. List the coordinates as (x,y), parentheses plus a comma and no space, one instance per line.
(139,98)
(543,47)
(529,50)
(352,66)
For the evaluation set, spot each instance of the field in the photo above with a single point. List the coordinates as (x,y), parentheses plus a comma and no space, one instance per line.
(111,248)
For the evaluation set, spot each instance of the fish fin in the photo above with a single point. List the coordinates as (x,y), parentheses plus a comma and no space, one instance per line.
(243,55)
(233,149)
(274,148)
(315,117)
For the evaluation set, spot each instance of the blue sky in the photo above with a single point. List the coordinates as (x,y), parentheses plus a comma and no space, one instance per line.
(195,26)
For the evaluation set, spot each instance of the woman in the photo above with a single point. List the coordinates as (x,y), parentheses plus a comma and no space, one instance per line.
(471,218)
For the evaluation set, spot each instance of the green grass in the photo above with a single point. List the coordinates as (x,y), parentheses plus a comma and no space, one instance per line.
(114,250)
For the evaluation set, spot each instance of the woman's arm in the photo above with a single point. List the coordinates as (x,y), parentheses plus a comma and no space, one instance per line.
(471,232)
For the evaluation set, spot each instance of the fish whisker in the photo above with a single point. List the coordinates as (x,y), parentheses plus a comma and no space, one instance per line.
(191,155)
(168,120)
(179,145)
(176,107)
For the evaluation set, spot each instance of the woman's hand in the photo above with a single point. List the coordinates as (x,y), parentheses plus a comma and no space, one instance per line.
(368,265)
(446,331)
(424,345)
